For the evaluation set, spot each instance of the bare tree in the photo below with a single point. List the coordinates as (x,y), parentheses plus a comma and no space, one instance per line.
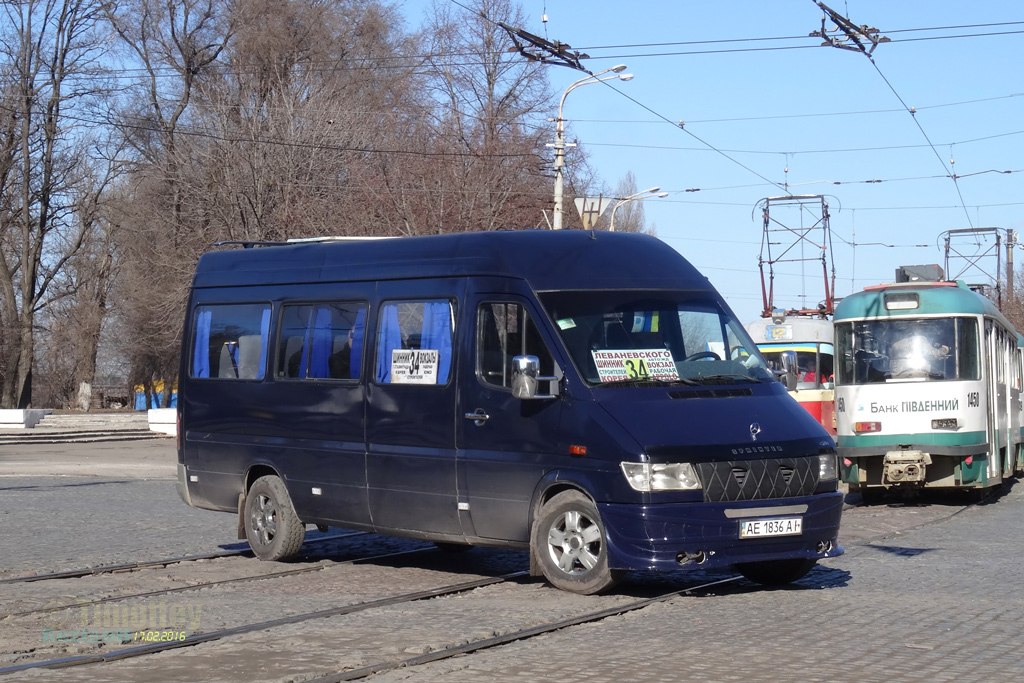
(1013,307)
(49,68)
(72,323)
(309,92)
(478,151)
(177,45)
(629,215)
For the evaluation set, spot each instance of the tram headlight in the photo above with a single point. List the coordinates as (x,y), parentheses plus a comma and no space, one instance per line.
(674,476)
(828,466)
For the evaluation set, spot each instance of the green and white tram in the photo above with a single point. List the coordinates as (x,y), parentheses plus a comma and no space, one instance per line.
(928,389)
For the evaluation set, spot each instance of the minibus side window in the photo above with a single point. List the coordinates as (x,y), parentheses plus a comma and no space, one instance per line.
(321,341)
(414,342)
(230,341)
(506,330)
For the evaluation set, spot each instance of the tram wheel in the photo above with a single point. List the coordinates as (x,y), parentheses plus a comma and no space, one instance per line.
(569,542)
(272,528)
(776,572)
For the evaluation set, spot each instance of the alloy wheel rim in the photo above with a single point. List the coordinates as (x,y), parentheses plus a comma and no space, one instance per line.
(264,519)
(574,543)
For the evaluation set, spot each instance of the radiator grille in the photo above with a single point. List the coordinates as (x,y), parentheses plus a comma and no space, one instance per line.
(736,480)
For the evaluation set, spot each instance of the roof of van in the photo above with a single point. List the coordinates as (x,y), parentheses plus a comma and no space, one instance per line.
(548,260)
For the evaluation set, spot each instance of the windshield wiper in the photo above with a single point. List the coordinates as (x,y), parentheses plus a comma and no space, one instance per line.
(724,379)
(647,382)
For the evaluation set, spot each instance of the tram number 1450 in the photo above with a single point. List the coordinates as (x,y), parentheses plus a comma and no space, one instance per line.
(779,526)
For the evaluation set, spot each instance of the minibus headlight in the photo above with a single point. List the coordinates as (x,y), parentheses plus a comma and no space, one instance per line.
(828,467)
(644,476)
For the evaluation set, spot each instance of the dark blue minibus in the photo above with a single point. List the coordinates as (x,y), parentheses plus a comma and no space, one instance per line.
(588,396)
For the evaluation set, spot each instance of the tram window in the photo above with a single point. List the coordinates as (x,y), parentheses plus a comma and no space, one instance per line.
(414,342)
(230,341)
(908,349)
(968,356)
(1000,358)
(321,341)
(808,377)
(826,364)
(814,366)
(506,330)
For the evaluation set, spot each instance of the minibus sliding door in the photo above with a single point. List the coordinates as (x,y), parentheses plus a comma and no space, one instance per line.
(410,419)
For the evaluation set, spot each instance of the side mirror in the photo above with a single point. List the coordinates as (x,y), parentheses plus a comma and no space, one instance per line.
(526,378)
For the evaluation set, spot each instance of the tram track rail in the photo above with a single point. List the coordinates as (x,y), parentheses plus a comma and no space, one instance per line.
(146,564)
(521,634)
(531,632)
(527,632)
(209,584)
(987,497)
(196,639)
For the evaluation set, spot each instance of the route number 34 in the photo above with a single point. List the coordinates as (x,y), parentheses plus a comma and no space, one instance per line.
(636,368)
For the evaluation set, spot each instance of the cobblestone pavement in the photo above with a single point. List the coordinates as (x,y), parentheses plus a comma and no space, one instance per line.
(924,593)
(938,603)
(150,459)
(58,523)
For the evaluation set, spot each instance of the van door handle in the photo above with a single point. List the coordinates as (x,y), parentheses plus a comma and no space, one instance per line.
(478,417)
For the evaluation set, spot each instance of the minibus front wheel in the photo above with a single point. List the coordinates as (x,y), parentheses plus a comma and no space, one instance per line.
(272,528)
(570,545)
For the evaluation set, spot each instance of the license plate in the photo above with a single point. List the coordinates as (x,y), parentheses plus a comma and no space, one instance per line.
(776,526)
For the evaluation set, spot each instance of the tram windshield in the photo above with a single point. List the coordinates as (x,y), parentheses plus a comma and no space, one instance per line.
(634,338)
(897,350)
(814,363)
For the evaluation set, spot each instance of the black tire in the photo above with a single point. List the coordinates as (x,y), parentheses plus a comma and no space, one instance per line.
(272,528)
(569,543)
(776,572)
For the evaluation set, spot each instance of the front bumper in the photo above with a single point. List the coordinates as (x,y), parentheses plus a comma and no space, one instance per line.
(656,537)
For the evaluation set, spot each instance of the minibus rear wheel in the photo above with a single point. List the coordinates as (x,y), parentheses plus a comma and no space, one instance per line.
(273,529)
(776,572)
(569,542)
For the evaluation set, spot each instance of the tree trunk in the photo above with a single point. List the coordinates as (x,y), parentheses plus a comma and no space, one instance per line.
(23,374)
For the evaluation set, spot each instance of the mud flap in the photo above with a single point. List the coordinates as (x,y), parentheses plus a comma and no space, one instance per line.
(535,569)
(241,516)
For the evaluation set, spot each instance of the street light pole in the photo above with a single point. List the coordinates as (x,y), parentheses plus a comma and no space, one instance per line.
(645,194)
(560,134)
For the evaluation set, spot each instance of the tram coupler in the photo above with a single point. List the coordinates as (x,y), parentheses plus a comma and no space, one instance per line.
(899,467)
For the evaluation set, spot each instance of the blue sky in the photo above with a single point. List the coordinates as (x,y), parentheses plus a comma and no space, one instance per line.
(827,115)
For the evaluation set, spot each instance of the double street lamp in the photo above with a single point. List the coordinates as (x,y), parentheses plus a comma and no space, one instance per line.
(645,194)
(560,133)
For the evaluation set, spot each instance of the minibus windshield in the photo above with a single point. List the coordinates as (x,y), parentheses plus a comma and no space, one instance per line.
(635,337)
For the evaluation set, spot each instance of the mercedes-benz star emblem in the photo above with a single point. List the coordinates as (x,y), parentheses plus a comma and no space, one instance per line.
(755,429)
